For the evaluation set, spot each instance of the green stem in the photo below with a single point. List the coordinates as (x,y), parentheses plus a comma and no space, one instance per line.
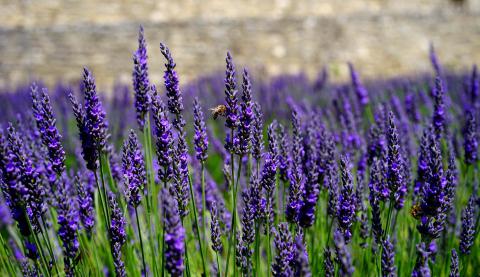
(219,269)
(232,184)
(104,211)
(269,245)
(141,241)
(104,190)
(151,189)
(204,217)
(195,219)
(40,250)
(257,249)
(46,239)
(387,223)
(8,260)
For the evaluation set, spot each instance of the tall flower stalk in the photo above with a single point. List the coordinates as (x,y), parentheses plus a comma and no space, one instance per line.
(201,147)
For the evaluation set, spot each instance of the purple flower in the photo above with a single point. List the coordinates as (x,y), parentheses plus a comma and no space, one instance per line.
(95,117)
(180,188)
(215,231)
(433,198)
(284,158)
(344,258)
(31,189)
(246,116)
(85,196)
(174,236)
(346,201)
(395,178)
(474,86)
(328,263)
(423,160)
(452,182)
(468,227)
(5,217)
(300,263)
(141,83)
(438,120)
(68,222)
(133,170)
(117,235)
(164,139)
(296,189)
(388,258)
(375,180)
(248,229)
(470,138)
(311,185)
(267,182)
(45,119)
(272,140)
(433,192)
(200,138)
(454,268)
(174,94)
(257,132)
(89,153)
(360,90)
(231,105)
(285,252)
(421,268)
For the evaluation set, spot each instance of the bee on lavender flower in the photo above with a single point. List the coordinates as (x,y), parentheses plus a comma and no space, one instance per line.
(219,110)
(416,211)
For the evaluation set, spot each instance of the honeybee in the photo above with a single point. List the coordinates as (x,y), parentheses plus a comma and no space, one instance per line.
(416,211)
(218,110)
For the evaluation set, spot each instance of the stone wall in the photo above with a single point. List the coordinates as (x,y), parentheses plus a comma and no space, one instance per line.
(54,39)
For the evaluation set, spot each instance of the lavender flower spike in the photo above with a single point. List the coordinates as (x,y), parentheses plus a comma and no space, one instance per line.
(470,138)
(68,220)
(328,263)
(454,268)
(174,94)
(257,132)
(215,229)
(281,267)
(133,170)
(344,257)
(95,117)
(232,120)
(421,268)
(12,188)
(246,116)
(32,190)
(164,139)
(301,266)
(174,236)
(45,119)
(360,90)
(200,138)
(468,227)
(85,195)
(117,235)
(388,259)
(395,177)
(89,153)
(438,120)
(141,83)
(346,201)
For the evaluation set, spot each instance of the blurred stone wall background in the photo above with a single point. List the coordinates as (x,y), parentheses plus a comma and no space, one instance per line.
(53,39)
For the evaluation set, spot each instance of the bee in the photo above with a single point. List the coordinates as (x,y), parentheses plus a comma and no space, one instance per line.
(416,211)
(218,110)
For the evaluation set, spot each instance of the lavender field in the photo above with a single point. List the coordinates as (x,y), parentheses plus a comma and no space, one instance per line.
(235,174)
